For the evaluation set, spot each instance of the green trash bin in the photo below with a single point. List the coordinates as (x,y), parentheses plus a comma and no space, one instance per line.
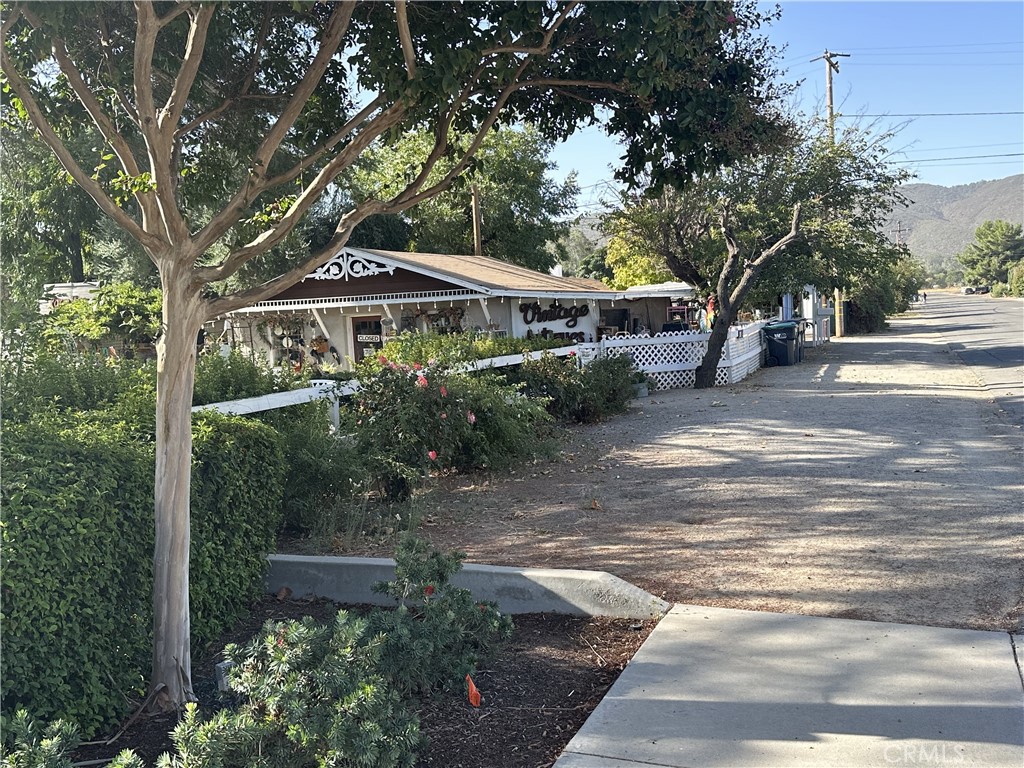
(782,341)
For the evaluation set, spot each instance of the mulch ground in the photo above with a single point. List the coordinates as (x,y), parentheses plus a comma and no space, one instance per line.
(536,693)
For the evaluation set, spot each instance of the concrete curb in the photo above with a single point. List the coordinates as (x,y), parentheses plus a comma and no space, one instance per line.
(515,590)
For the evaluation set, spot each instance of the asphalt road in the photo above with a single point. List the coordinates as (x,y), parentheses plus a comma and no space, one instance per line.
(987,335)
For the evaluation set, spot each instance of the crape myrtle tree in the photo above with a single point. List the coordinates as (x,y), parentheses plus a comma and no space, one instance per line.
(223,124)
(809,211)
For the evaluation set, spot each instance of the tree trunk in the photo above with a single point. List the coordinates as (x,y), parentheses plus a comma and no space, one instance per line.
(76,261)
(704,376)
(171,681)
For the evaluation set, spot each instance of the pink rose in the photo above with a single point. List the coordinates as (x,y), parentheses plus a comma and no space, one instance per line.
(417,367)
(444,415)
(382,360)
(471,417)
(432,455)
(444,392)
(421,381)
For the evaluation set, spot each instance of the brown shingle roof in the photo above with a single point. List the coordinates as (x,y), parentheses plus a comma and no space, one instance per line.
(492,273)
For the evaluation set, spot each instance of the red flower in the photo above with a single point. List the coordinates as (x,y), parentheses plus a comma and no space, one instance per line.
(572,354)
(444,392)
(428,590)
(417,367)
(382,360)
(432,455)
(421,382)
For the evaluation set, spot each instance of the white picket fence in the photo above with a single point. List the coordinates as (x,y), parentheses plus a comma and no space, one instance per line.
(670,359)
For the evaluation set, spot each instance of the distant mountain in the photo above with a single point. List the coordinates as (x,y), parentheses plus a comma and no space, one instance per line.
(941,221)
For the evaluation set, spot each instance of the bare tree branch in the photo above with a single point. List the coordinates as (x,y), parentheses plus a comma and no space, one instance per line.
(158,143)
(348,222)
(85,95)
(274,235)
(199,26)
(783,242)
(90,185)
(256,180)
(318,154)
(180,8)
(10,21)
(107,55)
(146,29)
(556,83)
(243,88)
(405,36)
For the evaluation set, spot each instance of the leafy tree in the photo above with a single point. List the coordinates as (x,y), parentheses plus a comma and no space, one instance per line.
(820,203)
(634,261)
(581,255)
(521,208)
(226,123)
(998,246)
(117,311)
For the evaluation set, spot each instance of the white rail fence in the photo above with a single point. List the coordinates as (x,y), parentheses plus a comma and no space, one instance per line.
(670,359)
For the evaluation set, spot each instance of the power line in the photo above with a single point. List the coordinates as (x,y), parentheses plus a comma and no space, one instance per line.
(1016,163)
(1016,51)
(962,146)
(939,45)
(947,64)
(961,157)
(937,114)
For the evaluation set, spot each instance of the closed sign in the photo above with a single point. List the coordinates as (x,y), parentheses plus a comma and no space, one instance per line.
(368,337)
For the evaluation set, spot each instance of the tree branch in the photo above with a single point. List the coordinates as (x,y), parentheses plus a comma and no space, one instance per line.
(199,26)
(85,95)
(243,88)
(405,36)
(256,180)
(90,185)
(106,47)
(180,8)
(10,21)
(342,232)
(146,28)
(316,155)
(273,236)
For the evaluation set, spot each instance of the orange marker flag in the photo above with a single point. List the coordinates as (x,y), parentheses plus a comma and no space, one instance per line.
(474,694)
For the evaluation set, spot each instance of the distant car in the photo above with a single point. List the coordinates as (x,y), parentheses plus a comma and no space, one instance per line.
(967,290)
(982,289)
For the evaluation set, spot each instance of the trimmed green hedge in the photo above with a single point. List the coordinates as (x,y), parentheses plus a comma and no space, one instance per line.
(237,485)
(78,547)
(77,568)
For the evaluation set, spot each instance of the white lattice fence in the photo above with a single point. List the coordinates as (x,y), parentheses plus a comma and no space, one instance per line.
(671,358)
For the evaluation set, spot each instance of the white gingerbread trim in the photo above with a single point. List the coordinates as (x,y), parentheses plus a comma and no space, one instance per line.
(348,265)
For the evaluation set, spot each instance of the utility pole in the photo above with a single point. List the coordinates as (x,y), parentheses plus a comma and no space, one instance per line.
(478,239)
(830,65)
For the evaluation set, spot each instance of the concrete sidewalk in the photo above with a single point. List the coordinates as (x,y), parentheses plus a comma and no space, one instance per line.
(721,687)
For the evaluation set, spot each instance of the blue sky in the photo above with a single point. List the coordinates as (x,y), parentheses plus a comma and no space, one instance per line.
(915,58)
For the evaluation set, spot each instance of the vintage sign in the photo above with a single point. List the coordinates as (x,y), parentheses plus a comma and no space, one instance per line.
(534,313)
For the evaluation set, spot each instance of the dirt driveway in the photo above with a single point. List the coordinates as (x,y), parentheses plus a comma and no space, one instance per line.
(875,481)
